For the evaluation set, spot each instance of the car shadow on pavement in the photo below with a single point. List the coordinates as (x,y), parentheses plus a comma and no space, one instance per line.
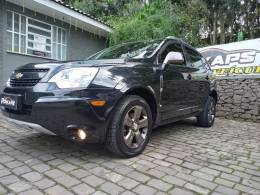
(58,146)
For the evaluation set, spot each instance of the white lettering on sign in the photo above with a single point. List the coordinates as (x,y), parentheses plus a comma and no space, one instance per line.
(7,101)
(238,58)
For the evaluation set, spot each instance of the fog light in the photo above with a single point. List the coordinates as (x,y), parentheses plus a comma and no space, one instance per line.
(81,134)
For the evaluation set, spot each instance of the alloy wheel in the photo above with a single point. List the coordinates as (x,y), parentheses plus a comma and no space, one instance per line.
(211,112)
(135,126)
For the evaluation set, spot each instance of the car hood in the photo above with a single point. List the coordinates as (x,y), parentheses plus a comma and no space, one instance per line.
(73,64)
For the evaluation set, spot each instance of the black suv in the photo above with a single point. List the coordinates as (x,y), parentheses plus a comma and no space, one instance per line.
(116,96)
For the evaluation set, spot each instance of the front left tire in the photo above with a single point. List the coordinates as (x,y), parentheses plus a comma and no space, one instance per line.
(130,128)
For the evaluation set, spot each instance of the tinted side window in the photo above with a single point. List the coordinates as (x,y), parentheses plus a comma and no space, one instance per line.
(175,47)
(195,60)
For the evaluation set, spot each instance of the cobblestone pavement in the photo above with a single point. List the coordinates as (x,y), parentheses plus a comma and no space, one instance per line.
(180,159)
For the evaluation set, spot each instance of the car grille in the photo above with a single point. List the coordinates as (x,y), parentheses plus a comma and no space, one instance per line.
(26,82)
(36,74)
(35,70)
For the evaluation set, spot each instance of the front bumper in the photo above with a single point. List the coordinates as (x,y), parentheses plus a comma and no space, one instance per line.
(59,112)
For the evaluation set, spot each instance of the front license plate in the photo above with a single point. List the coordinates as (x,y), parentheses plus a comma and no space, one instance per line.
(11,101)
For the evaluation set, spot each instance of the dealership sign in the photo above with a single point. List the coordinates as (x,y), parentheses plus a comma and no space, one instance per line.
(239,58)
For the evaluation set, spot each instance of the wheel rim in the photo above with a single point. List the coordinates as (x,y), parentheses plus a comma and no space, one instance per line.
(135,126)
(211,112)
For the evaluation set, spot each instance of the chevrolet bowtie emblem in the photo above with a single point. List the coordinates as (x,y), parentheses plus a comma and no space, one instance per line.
(19,75)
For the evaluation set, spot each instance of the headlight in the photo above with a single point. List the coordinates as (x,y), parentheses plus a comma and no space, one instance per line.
(74,77)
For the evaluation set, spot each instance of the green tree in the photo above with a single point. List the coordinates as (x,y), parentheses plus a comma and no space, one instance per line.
(200,22)
(159,19)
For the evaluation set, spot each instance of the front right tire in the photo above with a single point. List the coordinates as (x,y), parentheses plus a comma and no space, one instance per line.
(130,128)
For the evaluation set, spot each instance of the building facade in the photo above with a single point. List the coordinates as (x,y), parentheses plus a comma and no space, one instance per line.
(45,30)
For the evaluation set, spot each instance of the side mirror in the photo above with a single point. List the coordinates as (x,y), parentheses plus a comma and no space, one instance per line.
(173,58)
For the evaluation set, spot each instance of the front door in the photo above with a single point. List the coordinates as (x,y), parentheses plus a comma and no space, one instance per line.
(176,86)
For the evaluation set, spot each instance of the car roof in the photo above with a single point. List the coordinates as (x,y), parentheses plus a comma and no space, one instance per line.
(178,39)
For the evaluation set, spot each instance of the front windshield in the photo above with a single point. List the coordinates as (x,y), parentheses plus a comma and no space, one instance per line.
(135,50)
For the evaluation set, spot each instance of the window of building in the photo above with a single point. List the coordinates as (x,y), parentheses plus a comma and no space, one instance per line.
(29,36)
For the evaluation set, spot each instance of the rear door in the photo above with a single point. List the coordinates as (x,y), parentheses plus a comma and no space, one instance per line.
(199,77)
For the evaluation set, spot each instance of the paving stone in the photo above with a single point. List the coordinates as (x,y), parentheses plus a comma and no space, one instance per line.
(5,158)
(44,183)
(196,188)
(224,182)
(83,189)
(217,193)
(99,171)
(249,166)
(21,170)
(255,178)
(178,191)
(55,162)
(2,190)
(237,168)
(167,170)
(4,172)
(230,177)
(31,192)
(160,185)
(162,163)
(191,166)
(114,177)
(138,176)
(128,193)
(221,168)
(142,189)
(80,173)
(186,177)
(161,193)
(226,190)
(247,189)
(19,186)
(32,176)
(156,173)
(46,157)
(123,170)
(128,183)
(210,171)
(251,183)
(111,188)
(66,167)
(242,174)
(252,172)
(156,155)
(9,179)
(14,164)
(99,193)
(67,181)
(58,190)
(174,160)
(41,167)
(202,175)
(174,180)
(54,173)
(205,184)
(93,180)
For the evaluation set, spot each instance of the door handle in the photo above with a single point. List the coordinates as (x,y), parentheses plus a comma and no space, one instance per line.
(189,76)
